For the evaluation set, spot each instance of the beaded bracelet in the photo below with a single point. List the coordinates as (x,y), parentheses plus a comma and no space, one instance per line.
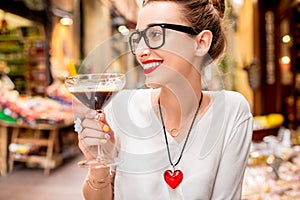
(97,184)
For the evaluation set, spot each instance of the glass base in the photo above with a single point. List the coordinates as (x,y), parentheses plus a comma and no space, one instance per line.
(97,164)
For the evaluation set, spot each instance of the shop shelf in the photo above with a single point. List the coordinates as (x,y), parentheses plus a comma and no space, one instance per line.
(7,38)
(258,135)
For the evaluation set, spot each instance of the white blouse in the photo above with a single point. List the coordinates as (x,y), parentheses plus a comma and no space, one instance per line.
(214,159)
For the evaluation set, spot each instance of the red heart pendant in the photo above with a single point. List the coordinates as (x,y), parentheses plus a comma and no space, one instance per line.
(173,178)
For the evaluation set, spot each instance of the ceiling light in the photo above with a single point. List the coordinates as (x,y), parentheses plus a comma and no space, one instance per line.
(286,39)
(66,21)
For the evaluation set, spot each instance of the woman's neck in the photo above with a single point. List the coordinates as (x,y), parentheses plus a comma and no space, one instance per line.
(179,101)
(181,95)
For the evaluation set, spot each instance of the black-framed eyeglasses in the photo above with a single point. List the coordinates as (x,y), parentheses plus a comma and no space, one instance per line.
(154,35)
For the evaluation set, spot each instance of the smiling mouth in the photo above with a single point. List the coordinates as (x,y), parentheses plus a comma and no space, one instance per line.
(150,67)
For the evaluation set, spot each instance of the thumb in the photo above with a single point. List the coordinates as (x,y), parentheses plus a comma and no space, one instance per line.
(103,118)
(109,131)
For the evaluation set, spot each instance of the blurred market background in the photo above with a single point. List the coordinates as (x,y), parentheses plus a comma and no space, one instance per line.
(44,41)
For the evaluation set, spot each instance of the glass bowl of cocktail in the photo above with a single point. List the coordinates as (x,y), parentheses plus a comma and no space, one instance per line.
(94,91)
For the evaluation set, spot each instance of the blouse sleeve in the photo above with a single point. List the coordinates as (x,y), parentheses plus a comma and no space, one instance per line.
(229,179)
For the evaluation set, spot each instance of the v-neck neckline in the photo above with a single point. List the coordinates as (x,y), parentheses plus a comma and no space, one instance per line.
(155,113)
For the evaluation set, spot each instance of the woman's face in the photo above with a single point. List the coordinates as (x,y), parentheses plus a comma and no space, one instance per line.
(176,57)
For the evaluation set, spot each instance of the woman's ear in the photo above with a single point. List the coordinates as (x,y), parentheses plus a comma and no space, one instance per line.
(203,41)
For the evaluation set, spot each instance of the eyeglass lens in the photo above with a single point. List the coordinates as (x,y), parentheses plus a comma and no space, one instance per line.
(153,37)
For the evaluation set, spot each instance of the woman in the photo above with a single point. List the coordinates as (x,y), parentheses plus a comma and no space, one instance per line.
(176,141)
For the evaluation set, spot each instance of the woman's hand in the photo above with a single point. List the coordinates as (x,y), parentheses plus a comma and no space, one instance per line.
(94,132)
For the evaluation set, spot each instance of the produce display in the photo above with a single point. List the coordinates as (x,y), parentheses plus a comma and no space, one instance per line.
(269,121)
(55,108)
(58,91)
(260,184)
(273,171)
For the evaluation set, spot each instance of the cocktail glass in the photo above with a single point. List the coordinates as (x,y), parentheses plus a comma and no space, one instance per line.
(95,91)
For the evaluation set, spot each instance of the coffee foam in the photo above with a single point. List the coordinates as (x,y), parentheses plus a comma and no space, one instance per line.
(92,88)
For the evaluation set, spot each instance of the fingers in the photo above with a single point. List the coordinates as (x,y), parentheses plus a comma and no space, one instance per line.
(95,136)
(95,131)
(92,141)
(91,123)
(106,128)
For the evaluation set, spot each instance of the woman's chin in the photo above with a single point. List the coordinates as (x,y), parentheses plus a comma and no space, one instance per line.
(152,82)
(152,85)
(159,77)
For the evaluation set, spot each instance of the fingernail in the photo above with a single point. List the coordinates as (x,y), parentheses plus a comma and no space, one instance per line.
(107,136)
(105,128)
(103,141)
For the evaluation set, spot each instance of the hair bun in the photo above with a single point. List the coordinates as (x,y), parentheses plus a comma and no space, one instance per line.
(219,5)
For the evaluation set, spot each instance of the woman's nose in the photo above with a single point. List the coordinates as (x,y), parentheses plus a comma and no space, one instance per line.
(142,49)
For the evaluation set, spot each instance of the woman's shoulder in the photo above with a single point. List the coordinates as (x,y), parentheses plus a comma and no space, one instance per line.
(232,100)
(230,97)
(235,97)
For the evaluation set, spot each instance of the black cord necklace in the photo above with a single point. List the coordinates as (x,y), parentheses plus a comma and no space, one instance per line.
(174,178)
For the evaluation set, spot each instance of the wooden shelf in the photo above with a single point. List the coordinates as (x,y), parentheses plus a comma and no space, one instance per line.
(44,135)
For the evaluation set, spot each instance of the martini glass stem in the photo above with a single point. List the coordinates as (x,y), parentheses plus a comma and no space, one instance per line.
(99,152)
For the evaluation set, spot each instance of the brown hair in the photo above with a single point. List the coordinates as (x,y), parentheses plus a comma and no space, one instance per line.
(205,15)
